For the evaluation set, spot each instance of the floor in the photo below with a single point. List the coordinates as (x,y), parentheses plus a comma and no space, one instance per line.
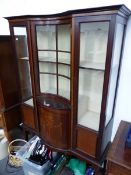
(6,169)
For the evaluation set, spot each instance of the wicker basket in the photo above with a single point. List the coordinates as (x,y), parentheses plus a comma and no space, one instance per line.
(13,147)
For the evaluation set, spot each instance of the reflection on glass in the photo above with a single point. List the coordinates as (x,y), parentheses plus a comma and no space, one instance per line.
(23,61)
(64,87)
(64,57)
(53,44)
(114,71)
(64,70)
(48,83)
(64,37)
(47,67)
(93,44)
(21,42)
(90,96)
(46,37)
(47,56)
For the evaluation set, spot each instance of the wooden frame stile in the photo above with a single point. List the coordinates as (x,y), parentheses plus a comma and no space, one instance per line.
(72,84)
(111,36)
(30,45)
(1,99)
(74,81)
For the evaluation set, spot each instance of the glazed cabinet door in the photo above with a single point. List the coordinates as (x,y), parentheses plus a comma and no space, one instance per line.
(91,40)
(20,37)
(52,57)
(99,43)
(22,55)
(54,52)
(93,46)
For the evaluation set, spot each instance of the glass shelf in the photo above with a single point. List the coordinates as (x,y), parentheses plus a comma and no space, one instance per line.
(24,58)
(29,102)
(47,59)
(97,66)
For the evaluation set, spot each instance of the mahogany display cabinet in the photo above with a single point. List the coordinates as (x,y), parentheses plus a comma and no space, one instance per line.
(69,67)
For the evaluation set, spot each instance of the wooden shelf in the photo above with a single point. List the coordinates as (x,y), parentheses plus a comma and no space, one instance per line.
(55,74)
(51,50)
(89,65)
(24,58)
(53,62)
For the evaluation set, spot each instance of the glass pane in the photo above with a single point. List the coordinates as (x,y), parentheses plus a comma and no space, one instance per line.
(114,71)
(93,44)
(64,87)
(64,37)
(47,56)
(47,67)
(48,83)
(21,42)
(64,70)
(25,81)
(46,37)
(64,57)
(53,43)
(23,61)
(90,96)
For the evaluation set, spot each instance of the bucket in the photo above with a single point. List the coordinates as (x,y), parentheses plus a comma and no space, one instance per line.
(13,147)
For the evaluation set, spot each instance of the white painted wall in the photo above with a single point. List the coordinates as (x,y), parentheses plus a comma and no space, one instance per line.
(25,7)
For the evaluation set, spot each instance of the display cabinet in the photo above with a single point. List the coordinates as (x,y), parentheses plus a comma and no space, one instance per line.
(10,115)
(69,67)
